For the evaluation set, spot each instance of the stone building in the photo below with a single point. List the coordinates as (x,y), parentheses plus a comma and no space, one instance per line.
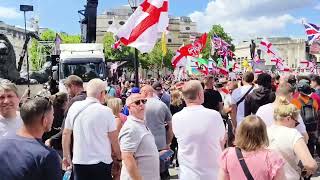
(15,36)
(180,28)
(292,51)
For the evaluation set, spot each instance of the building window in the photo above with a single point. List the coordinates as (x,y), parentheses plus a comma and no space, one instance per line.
(110,22)
(169,40)
(121,23)
(188,28)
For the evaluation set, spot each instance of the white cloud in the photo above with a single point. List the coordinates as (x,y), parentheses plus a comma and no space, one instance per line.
(9,13)
(248,18)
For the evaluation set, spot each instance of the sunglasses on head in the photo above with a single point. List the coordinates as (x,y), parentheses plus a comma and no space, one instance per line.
(141,101)
(49,103)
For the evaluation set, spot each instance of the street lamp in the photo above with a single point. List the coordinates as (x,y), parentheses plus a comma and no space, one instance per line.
(134,5)
(26,8)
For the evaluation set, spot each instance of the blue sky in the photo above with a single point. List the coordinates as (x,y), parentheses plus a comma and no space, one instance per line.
(242,19)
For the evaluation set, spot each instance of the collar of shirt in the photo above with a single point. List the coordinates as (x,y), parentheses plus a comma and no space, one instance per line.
(136,119)
(92,99)
(194,107)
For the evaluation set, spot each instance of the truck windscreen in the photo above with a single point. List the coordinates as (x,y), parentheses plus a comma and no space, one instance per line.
(86,71)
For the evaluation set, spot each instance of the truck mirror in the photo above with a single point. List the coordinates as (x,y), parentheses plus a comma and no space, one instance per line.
(55,75)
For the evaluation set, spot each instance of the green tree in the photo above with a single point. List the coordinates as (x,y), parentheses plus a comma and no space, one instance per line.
(111,54)
(219,31)
(39,52)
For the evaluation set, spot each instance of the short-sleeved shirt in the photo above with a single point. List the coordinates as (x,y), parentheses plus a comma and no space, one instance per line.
(25,158)
(262,164)
(212,98)
(282,139)
(266,112)
(10,126)
(91,144)
(236,96)
(135,137)
(199,132)
(157,114)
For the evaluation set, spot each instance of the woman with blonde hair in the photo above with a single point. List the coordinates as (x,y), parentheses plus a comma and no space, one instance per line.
(250,159)
(285,139)
(115,104)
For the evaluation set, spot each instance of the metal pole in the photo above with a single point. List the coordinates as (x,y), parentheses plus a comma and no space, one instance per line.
(27,56)
(136,67)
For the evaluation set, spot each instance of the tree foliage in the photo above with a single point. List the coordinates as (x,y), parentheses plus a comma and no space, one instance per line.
(219,31)
(111,54)
(39,52)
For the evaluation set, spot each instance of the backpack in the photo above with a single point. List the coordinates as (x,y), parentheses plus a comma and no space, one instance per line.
(309,115)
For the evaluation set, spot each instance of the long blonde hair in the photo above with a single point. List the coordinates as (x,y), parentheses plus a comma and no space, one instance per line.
(176,98)
(252,134)
(283,108)
(115,104)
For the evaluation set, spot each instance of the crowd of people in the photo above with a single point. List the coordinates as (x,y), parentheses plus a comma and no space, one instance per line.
(262,127)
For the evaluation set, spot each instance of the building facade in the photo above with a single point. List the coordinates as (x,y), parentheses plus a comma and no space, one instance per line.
(292,51)
(15,36)
(179,31)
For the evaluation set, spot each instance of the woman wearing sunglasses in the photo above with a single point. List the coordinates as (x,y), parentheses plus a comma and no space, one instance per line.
(285,139)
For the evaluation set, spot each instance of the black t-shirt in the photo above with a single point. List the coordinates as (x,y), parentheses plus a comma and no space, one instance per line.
(28,159)
(212,98)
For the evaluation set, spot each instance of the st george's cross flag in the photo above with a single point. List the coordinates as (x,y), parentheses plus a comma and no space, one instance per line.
(267,47)
(312,31)
(143,27)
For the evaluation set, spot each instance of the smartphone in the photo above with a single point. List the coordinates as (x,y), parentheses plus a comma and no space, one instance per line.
(166,155)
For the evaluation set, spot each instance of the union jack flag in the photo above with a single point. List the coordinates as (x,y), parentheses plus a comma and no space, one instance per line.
(312,31)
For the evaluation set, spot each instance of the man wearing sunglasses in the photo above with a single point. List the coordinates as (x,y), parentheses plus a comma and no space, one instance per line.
(138,149)
(23,155)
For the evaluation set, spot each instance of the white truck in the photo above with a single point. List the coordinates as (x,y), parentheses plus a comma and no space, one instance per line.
(85,60)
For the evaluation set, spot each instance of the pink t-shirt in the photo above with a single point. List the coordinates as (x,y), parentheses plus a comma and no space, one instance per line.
(263,164)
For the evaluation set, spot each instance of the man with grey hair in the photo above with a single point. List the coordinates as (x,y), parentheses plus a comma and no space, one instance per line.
(10,119)
(200,133)
(94,134)
(139,151)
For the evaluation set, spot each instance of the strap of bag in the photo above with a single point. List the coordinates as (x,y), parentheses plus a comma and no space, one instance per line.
(245,95)
(243,164)
(81,110)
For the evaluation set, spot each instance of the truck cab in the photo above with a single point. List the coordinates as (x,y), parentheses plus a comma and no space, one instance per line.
(84,60)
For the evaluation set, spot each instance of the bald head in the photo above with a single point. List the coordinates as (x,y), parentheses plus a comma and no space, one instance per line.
(147,91)
(192,92)
(95,87)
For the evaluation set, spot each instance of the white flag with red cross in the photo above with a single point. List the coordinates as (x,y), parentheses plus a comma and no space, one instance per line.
(144,26)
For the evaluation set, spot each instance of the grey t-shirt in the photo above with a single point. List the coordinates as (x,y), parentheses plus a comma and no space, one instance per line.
(10,126)
(157,114)
(135,137)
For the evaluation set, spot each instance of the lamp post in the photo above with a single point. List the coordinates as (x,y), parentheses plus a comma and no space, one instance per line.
(26,8)
(134,5)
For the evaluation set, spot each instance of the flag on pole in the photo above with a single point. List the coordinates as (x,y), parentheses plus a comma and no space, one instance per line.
(164,44)
(202,65)
(192,50)
(312,31)
(143,26)
(57,42)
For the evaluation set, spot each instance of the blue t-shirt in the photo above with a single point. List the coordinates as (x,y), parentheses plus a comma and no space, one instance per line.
(28,159)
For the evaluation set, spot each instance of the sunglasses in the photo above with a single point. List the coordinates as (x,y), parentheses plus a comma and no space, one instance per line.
(296,122)
(141,101)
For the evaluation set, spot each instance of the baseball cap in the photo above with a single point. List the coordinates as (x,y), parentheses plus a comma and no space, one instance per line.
(304,87)
(135,90)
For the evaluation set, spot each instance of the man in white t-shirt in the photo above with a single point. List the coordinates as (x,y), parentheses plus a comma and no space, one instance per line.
(200,134)
(266,112)
(94,134)
(10,120)
(238,97)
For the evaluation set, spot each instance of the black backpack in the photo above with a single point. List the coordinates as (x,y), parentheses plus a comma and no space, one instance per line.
(309,115)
